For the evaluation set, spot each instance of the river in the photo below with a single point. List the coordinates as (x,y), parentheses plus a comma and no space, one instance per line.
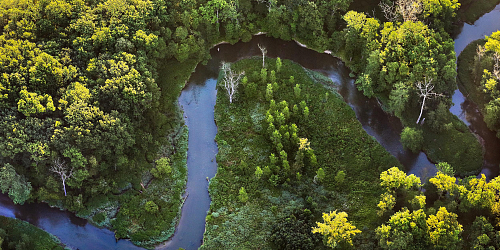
(198,99)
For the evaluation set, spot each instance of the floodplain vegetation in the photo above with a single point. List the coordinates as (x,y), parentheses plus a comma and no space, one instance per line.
(479,75)
(89,119)
(297,171)
(18,234)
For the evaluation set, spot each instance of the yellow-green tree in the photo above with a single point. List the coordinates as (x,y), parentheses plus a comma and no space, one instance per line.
(444,183)
(336,230)
(394,179)
(444,229)
(404,230)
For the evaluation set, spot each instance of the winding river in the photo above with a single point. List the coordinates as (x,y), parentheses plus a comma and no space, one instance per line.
(198,100)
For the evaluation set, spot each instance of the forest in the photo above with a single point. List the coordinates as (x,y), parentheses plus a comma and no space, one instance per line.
(90,122)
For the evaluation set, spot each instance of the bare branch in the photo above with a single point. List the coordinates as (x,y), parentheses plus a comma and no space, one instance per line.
(263,50)
(425,89)
(389,11)
(496,67)
(409,9)
(231,80)
(61,169)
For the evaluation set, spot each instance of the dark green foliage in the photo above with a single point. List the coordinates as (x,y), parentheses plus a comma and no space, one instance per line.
(483,235)
(294,232)
(17,234)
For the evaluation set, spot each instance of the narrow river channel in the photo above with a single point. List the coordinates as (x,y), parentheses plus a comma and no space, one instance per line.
(198,100)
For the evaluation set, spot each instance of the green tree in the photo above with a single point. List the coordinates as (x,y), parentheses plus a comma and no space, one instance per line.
(14,184)
(258,172)
(412,139)
(163,168)
(337,231)
(243,196)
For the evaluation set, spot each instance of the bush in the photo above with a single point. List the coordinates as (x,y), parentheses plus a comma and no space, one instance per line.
(151,207)
(162,169)
(412,139)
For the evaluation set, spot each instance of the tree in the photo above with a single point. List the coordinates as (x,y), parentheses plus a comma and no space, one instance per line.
(412,139)
(445,168)
(444,229)
(394,179)
(60,168)
(484,235)
(337,231)
(263,50)
(258,172)
(425,92)
(444,183)
(14,184)
(386,203)
(231,80)
(404,230)
(320,174)
(243,196)
(162,169)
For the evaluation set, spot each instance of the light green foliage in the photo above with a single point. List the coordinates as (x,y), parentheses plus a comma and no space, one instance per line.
(151,207)
(320,174)
(404,230)
(258,172)
(412,139)
(243,196)
(340,177)
(394,179)
(336,229)
(444,229)
(278,64)
(163,168)
(296,91)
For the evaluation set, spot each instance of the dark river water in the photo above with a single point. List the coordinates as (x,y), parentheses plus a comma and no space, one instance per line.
(198,99)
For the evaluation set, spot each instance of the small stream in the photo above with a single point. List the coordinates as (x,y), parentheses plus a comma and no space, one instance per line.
(198,100)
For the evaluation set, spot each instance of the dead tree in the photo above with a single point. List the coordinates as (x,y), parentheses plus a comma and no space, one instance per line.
(231,80)
(496,67)
(389,11)
(264,52)
(425,89)
(61,169)
(409,9)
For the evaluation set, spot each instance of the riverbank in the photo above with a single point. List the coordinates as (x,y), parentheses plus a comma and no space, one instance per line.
(471,10)
(351,159)
(18,234)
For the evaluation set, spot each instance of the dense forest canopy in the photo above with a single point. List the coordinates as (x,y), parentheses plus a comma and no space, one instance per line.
(89,120)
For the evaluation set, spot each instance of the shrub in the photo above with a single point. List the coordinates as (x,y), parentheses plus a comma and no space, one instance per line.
(151,207)
(162,169)
(412,139)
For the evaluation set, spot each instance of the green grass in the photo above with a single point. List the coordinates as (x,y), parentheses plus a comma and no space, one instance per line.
(338,141)
(471,10)
(18,234)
